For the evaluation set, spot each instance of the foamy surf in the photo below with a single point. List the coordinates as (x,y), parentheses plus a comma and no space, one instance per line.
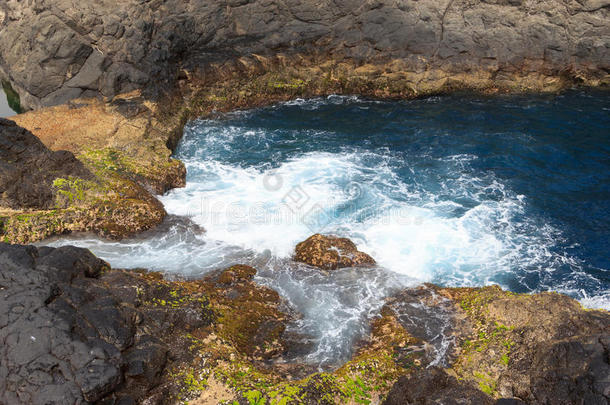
(261,181)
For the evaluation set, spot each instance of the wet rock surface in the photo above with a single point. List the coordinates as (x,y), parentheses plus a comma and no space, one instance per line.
(75,331)
(28,168)
(330,253)
(57,50)
(537,349)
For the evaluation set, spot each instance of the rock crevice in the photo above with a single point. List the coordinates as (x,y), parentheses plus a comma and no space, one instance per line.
(56,50)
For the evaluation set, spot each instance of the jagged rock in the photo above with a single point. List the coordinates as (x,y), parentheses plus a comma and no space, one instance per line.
(518,348)
(435,386)
(120,159)
(253,320)
(75,331)
(330,252)
(28,169)
(57,50)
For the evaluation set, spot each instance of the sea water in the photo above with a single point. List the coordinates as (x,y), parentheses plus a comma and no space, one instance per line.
(458,190)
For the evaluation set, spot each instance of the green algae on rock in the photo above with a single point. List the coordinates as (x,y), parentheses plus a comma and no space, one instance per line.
(539,348)
(12,97)
(178,340)
(122,149)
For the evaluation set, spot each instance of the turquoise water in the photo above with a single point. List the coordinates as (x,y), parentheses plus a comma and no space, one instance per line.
(459,190)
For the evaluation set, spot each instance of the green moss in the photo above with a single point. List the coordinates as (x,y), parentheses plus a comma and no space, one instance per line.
(255,397)
(72,190)
(191,383)
(12,97)
(358,390)
(27,227)
(486,383)
(108,159)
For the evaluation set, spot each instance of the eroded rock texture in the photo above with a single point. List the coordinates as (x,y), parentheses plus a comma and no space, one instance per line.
(435,387)
(75,331)
(28,168)
(56,50)
(536,349)
(330,253)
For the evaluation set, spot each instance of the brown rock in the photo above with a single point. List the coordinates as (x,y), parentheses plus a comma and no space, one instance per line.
(536,348)
(330,253)
(28,169)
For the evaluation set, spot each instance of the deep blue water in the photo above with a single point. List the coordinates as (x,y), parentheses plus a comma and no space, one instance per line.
(456,190)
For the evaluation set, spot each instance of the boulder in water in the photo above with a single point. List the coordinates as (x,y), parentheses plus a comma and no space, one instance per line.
(330,253)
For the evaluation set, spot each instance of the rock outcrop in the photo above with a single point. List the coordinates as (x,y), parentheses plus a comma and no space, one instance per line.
(96,169)
(435,386)
(28,168)
(536,349)
(330,253)
(53,51)
(75,331)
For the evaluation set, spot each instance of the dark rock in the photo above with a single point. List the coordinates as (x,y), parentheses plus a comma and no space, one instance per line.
(72,333)
(255,321)
(537,349)
(54,50)
(330,252)
(509,401)
(28,169)
(434,386)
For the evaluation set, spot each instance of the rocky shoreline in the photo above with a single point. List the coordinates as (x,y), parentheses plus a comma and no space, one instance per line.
(110,86)
(77,331)
(115,84)
(53,51)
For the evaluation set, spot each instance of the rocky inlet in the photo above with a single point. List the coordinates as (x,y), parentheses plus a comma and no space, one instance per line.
(77,331)
(105,90)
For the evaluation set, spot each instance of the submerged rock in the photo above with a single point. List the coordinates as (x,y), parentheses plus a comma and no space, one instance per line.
(330,253)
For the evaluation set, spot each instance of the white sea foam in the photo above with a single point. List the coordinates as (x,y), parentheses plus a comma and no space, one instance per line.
(406,228)
(449,224)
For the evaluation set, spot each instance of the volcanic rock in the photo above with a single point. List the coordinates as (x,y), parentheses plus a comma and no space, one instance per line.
(76,331)
(330,253)
(28,169)
(57,50)
(435,386)
(517,348)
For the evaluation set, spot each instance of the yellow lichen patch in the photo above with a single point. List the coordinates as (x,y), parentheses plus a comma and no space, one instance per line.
(124,144)
(379,363)
(485,354)
(216,392)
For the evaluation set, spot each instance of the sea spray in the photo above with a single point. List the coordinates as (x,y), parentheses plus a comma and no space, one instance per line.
(451,190)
